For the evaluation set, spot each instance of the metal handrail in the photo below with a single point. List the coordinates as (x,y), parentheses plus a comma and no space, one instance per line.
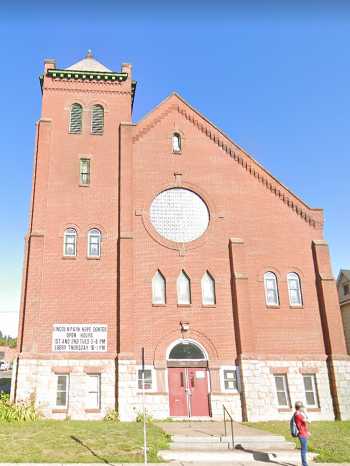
(226,412)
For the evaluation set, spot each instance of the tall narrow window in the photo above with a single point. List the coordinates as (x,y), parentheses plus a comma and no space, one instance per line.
(282,390)
(271,289)
(70,242)
(183,286)
(76,116)
(176,142)
(294,289)
(97,119)
(94,243)
(311,394)
(93,393)
(208,289)
(85,171)
(158,288)
(62,390)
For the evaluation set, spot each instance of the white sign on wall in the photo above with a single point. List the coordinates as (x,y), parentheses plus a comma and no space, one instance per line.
(79,338)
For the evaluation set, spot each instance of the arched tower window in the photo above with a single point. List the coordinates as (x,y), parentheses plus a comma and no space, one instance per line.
(97,119)
(208,289)
(94,243)
(183,286)
(158,288)
(271,289)
(176,142)
(75,119)
(294,289)
(70,242)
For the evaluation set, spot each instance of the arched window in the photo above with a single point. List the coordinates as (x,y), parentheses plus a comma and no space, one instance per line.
(183,286)
(271,289)
(208,289)
(158,289)
(75,119)
(294,289)
(70,242)
(97,119)
(186,350)
(94,243)
(176,142)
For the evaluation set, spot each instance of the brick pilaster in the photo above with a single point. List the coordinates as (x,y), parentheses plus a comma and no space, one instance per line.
(332,327)
(243,322)
(125,343)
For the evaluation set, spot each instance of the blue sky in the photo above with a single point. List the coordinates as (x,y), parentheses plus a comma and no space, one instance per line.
(276,79)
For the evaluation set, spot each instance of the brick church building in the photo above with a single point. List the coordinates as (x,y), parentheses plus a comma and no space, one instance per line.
(168,236)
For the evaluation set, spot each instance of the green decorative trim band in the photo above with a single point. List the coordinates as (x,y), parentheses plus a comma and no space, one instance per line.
(87,75)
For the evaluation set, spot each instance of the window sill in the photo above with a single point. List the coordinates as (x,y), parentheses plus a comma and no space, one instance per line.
(273,306)
(90,258)
(296,307)
(84,185)
(176,152)
(96,134)
(92,410)
(184,305)
(203,306)
(69,257)
(59,411)
(284,410)
(158,305)
(313,410)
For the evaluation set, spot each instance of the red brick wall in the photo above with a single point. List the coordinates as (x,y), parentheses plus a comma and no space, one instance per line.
(276,229)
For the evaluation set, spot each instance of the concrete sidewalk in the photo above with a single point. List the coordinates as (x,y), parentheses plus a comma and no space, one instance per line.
(255,463)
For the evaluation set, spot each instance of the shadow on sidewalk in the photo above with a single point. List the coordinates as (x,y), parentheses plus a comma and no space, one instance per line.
(91,451)
(263,457)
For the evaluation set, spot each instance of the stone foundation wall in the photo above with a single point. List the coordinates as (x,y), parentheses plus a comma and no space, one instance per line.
(130,397)
(231,401)
(341,370)
(37,380)
(260,391)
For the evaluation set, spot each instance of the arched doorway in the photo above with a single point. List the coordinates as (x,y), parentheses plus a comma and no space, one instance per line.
(188,379)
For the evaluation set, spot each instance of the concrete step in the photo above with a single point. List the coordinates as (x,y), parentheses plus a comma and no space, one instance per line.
(264,446)
(205,446)
(261,443)
(232,456)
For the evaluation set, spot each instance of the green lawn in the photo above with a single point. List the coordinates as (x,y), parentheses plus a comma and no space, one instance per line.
(331,440)
(77,442)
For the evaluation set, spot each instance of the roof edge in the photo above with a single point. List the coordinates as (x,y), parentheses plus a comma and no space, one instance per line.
(267,172)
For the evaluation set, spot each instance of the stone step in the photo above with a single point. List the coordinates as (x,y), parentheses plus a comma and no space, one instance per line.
(232,456)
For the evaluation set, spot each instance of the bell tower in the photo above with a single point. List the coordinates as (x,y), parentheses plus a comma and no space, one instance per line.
(68,316)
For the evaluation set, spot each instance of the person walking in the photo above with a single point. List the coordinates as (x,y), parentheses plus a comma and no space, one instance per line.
(301,421)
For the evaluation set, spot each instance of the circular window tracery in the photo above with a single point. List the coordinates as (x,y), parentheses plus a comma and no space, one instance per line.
(179,215)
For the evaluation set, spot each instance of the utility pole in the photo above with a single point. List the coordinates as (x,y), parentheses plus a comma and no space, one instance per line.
(143,407)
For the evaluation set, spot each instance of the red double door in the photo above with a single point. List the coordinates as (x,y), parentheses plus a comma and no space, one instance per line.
(188,391)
